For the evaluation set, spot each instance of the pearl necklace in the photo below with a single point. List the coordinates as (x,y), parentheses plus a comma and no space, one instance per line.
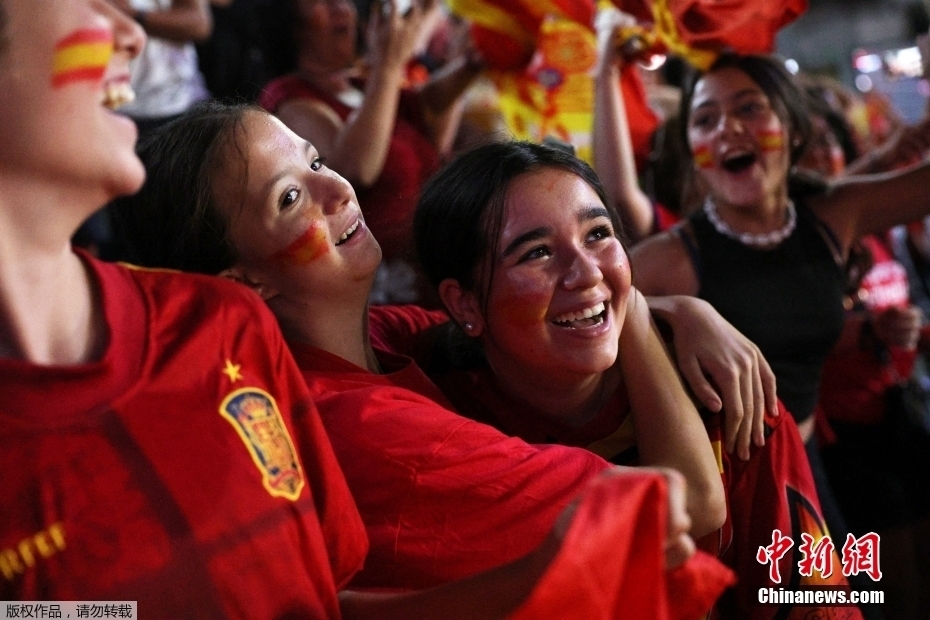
(762,240)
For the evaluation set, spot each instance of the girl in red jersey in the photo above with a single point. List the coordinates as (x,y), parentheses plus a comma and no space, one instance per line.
(442,497)
(527,260)
(125,476)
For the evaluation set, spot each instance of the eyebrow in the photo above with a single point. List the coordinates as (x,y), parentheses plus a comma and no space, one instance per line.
(274,180)
(585,214)
(734,97)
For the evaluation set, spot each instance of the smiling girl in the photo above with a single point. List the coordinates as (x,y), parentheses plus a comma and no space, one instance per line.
(233,191)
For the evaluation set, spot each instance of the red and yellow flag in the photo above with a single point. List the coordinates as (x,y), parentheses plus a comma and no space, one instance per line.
(82,56)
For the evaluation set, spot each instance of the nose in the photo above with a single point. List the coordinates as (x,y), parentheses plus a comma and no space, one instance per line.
(729,123)
(583,271)
(128,36)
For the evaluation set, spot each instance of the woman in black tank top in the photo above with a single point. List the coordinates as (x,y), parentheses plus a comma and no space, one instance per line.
(767,257)
(766,251)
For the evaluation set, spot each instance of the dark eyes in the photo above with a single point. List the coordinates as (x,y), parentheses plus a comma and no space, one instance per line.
(537,252)
(600,232)
(292,194)
(289,198)
(703,121)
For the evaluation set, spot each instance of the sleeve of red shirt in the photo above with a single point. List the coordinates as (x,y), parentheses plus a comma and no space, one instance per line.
(444,497)
(398,328)
(611,564)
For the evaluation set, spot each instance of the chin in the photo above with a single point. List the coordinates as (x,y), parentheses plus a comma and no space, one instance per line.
(127,180)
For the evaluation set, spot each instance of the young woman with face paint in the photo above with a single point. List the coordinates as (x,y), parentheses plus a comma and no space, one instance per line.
(769,258)
(767,251)
(126,477)
(233,191)
(520,244)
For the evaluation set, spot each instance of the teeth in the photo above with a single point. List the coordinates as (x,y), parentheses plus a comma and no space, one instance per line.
(118,94)
(349,232)
(587,313)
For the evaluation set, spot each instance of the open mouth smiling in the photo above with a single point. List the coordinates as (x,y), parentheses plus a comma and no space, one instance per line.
(738,162)
(589,317)
(349,233)
(117,93)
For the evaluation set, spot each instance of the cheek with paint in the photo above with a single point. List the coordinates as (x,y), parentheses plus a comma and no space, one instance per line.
(770,140)
(522,310)
(82,56)
(307,248)
(703,158)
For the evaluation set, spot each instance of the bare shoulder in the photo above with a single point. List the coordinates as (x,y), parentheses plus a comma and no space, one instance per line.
(662,265)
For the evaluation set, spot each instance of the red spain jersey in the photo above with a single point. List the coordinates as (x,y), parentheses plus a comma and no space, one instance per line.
(187,469)
(442,497)
(773,490)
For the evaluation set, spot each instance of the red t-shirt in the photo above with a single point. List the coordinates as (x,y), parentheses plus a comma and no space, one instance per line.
(187,469)
(854,381)
(773,490)
(442,496)
(411,159)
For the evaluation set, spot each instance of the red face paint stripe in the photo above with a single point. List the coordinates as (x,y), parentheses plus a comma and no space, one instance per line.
(306,248)
(88,35)
(703,157)
(93,74)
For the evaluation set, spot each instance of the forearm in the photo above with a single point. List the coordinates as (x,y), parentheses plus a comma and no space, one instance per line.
(614,160)
(669,431)
(360,150)
(185,21)
(446,86)
(487,596)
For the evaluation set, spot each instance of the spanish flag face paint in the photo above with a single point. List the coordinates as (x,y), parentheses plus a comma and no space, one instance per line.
(703,158)
(82,56)
(306,248)
(770,140)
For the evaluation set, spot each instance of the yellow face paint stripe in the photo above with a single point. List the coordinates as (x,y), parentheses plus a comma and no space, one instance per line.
(771,141)
(83,55)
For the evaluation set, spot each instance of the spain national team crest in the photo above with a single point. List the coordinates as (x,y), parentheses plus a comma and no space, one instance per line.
(255,416)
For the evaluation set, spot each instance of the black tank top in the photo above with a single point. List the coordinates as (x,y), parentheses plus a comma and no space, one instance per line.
(788,300)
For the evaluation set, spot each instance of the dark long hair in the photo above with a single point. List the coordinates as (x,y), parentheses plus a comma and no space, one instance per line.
(173,221)
(461,209)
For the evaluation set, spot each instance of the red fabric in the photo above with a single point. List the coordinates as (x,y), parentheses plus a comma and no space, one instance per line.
(611,563)
(665,218)
(442,497)
(854,381)
(411,159)
(745,26)
(640,117)
(773,490)
(398,328)
(156,494)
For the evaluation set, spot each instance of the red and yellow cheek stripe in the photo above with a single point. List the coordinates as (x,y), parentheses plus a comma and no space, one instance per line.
(306,248)
(703,158)
(82,56)
(771,140)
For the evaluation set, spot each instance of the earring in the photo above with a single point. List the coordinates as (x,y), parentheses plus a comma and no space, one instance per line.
(468,327)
